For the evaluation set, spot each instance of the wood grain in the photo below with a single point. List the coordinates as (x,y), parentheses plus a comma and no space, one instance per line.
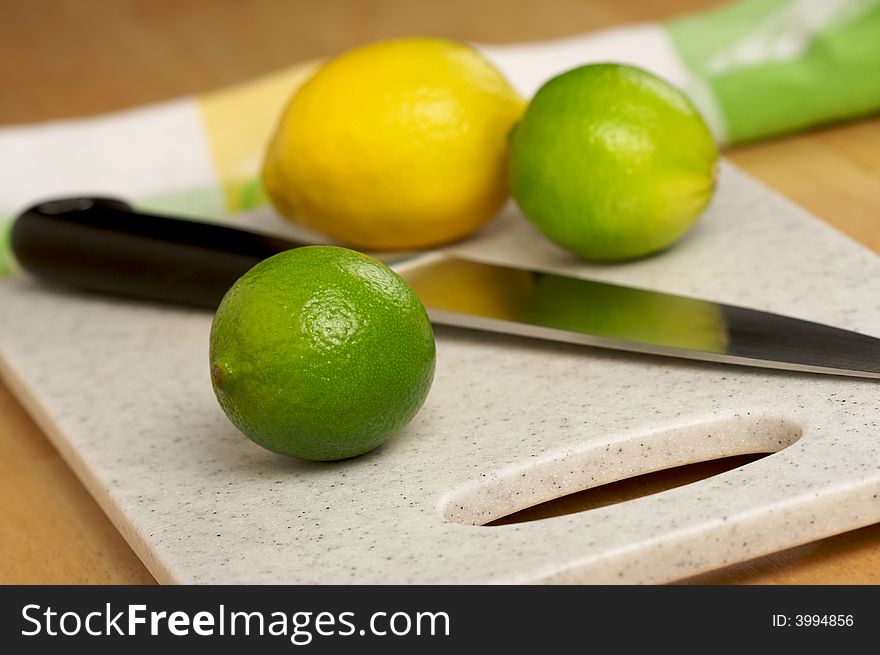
(51,530)
(62,58)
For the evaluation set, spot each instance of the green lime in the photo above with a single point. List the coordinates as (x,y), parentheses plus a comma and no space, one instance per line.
(611,162)
(321,353)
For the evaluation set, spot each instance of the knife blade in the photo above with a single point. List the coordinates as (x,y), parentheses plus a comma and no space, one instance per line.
(104,245)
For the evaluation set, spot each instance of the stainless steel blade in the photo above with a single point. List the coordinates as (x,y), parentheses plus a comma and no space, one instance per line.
(541,305)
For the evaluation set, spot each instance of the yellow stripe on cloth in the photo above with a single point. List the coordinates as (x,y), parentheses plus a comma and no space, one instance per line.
(239,121)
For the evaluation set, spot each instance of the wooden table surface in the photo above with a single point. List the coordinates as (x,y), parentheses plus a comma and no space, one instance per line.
(62,58)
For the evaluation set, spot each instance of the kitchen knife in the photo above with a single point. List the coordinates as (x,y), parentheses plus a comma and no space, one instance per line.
(103,245)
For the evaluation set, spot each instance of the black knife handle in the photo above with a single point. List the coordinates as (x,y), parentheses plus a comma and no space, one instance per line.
(102,244)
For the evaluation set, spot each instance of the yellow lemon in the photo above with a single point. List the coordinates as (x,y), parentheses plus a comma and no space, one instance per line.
(398,144)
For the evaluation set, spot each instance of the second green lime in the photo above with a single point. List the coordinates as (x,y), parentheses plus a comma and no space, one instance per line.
(321,353)
(611,162)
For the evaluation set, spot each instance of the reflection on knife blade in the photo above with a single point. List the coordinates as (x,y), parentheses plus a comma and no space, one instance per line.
(562,308)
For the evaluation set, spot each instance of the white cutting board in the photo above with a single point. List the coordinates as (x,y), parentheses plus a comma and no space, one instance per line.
(123,391)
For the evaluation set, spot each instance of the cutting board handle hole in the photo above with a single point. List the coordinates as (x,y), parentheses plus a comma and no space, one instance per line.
(621,491)
(618,470)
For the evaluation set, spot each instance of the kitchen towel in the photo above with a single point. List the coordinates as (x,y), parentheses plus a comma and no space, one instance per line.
(754,68)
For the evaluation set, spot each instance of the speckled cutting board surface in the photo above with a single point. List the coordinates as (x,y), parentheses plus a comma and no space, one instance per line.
(122,389)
